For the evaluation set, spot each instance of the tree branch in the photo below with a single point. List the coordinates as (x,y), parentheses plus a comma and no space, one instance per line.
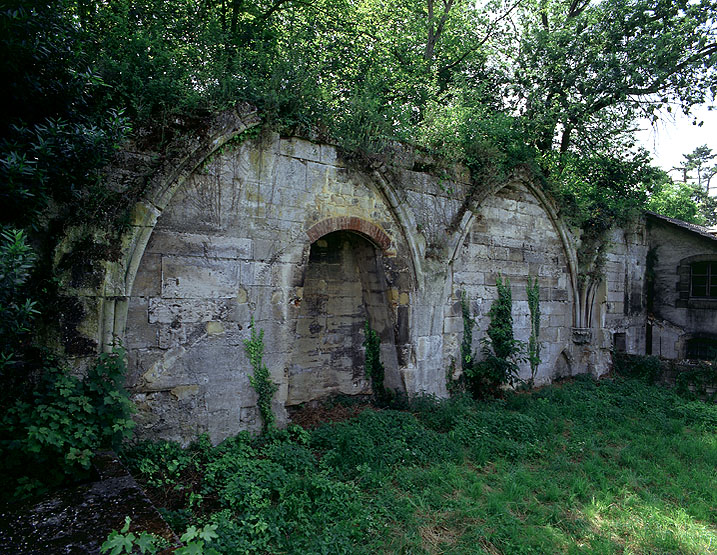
(488,35)
(276,6)
(434,33)
(576,8)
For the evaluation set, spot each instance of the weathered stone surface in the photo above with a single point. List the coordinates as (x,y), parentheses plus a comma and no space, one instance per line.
(679,317)
(79,519)
(512,236)
(311,247)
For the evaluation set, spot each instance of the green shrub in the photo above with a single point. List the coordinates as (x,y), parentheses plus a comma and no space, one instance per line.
(467,358)
(646,368)
(194,541)
(380,440)
(54,437)
(492,429)
(373,365)
(339,488)
(440,415)
(695,381)
(533,291)
(158,463)
(698,413)
(264,494)
(16,309)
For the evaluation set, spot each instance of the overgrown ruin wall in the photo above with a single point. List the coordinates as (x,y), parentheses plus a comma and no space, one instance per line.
(511,235)
(311,246)
(619,308)
(278,230)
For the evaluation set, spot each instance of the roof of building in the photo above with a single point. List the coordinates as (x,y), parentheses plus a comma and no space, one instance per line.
(707,232)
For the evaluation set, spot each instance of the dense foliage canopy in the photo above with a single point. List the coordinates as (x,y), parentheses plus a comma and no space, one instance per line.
(496,84)
(554,86)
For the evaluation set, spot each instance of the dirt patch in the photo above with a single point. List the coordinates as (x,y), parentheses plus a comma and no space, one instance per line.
(79,518)
(436,538)
(312,415)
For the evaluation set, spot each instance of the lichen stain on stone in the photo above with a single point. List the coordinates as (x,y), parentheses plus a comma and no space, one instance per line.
(242,296)
(164,364)
(214,328)
(182,392)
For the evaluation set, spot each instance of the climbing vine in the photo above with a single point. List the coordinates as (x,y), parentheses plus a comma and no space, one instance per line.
(467,343)
(260,380)
(500,349)
(500,330)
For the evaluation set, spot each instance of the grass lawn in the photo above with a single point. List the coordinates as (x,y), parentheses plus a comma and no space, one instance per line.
(586,467)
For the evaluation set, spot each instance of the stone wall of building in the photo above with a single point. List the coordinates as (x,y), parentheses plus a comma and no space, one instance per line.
(678,316)
(619,315)
(512,236)
(312,246)
(234,243)
(282,231)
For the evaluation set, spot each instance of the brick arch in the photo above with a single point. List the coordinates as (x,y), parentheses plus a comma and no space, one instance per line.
(350,223)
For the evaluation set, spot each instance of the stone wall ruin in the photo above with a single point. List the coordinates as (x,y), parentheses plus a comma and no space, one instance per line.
(311,245)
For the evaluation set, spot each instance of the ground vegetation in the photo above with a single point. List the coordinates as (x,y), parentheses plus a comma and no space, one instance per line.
(549,86)
(600,467)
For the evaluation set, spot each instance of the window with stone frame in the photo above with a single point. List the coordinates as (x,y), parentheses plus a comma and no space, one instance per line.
(703,279)
(697,282)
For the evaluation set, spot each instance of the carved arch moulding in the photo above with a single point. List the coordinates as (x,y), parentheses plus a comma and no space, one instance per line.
(549,207)
(181,159)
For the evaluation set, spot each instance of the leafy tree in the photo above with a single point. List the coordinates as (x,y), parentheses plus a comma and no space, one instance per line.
(676,200)
(54,144)
(708,208)
(584,69)
(698,161)
(601,190)
(689,199)
(55,139)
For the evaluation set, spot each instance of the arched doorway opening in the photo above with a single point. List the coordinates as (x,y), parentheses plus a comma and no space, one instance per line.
(344,287)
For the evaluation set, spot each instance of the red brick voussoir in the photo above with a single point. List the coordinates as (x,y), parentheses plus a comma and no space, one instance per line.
(350,223)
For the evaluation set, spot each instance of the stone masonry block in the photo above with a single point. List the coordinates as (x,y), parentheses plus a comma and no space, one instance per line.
(202,245)
(173,311)
(148,281)
(316,176)
(141,333)
(290,172)
(329,155)
(428,347)
(194,277)
(300,148)
(453,325)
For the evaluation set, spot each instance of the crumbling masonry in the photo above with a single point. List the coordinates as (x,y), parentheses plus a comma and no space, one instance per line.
(312,246)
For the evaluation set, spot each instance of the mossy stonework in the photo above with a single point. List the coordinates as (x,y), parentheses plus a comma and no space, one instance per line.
(313,245)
